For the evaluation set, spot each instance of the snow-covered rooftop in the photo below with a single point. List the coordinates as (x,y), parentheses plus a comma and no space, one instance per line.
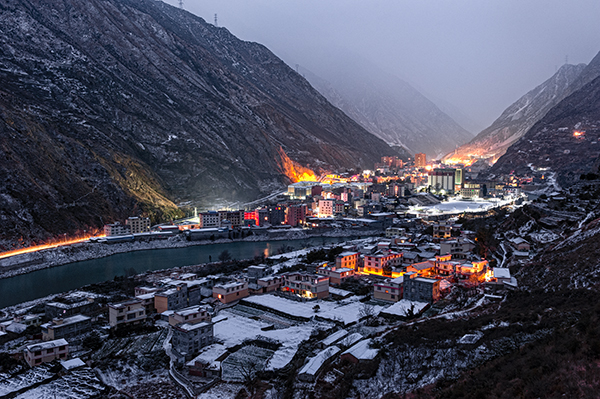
(209,355)
(362,350)
(333,338)
(47,345)
(339,292)
(351,339)
(69,320)
(191,310)
(315,363)
(72,364)
(191,327)
(501,272)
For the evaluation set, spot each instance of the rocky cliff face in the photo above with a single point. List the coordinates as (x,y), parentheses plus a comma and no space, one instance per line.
(109,107)
(387,106)
(517,119)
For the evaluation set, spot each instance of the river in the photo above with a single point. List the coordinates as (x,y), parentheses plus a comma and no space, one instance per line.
(54,280)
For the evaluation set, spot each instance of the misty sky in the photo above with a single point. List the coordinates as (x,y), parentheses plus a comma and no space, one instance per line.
(479,55)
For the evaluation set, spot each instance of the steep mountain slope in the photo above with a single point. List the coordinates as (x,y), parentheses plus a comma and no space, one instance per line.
(385,105)
(517,119)
(565,140)
(109,106)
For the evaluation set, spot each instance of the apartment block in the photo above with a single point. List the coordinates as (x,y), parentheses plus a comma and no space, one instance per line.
(188,339)
(116,229)
(336,274)
(191,315)
(125,313)
(138,225)
(420,289)
(374,264)
(37,354)
(348,260)
(65,328)
(306,285)
(227,293)
(389,290)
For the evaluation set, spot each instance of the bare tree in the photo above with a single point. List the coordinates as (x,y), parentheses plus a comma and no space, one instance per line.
(366,311)
(248,369)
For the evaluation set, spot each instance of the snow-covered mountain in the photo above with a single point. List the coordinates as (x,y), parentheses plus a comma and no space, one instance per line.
(386,105)
(113,107)
(566,140)
(517,119)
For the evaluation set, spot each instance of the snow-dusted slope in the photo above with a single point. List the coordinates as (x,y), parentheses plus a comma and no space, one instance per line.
(517,119)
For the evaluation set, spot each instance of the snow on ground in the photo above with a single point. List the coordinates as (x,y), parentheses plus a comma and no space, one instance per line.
(221,391)
(245,361)
(403,306)
(79,384)
(236,329)
(27,379)
(544,236)
(346,311)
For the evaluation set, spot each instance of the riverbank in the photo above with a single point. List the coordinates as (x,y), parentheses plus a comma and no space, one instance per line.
(31,262)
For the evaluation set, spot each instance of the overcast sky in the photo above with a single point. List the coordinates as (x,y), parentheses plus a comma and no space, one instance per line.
(479,55)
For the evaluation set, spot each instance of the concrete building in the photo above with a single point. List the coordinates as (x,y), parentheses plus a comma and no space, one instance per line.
(392,232)
(420,289)
(374,264)
(442,230)
(66,328)
(138,225)
(336,274)
(209,219)
(305,285)
(230,292)
(126,313)
(348,260)
(181,295)
(442,179)
(235,217)
(191,315)
(389,290)
(60,309)
(188,339)
(37,354)
(295,215)
(458,248)
(265,285)
(116,229)
(326,208)
(420,160)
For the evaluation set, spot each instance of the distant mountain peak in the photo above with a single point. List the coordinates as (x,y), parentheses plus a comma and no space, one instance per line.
(386,105)
(519,117)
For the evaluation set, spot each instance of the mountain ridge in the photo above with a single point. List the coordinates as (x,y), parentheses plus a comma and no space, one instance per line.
(141,105)
(519,117)
(386,105)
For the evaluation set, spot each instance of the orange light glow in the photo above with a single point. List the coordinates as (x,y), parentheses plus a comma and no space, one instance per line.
(578,134)
(428,167)
(52,244)
(294,171)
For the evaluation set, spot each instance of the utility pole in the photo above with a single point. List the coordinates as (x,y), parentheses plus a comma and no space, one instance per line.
(216,24)
(181,4)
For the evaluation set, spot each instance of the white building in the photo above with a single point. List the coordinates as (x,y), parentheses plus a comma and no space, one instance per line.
(138,225)
(210,219)
(116,229)
(326,207)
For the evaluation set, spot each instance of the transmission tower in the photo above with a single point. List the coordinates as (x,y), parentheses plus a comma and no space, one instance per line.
(216,24)
(181,4)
